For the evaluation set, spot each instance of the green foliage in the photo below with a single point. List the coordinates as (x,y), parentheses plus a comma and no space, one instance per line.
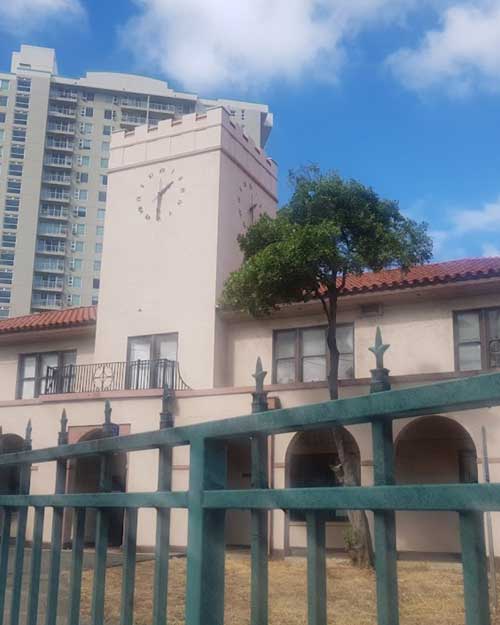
(330,227)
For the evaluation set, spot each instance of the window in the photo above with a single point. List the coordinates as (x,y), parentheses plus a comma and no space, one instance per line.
(5,276)
(7,258)
(106,130)
(76,264)
(300,355)
(2,118)
(98,248)
(34,377)
(82,177)
(24,84)
(20,117)
(84,161)
(85,144)
(88,96)
(75,281)
(8,240)
(96,283)
(105,147)
(104,163)
(19,135)
(477,339)
(17,151)
(12,204)
(108,114)
(104,179)
(13,185)
(4,312)
(72,299)
(150,360)
(2,134)
(101,214)
(4,84)
(87,111)
(23,101)
(95,300)
(4,295)
(10,222)
(4,99)
(15,169)
(86,129)
(101,196)
(78,229)
(81,194)
(79,211)
(77,246)
(97,265)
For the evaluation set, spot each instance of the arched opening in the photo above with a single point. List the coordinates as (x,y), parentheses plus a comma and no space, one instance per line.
(237,530)
(312,461)
(433,450)
(84,478)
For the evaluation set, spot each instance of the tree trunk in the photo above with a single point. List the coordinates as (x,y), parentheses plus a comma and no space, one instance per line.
(349,461)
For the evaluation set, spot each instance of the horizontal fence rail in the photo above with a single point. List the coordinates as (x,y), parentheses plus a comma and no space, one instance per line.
(208,499)
(115,376)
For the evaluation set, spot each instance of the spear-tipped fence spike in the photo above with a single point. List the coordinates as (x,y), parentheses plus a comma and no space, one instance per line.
(379,349)
(259,376)
(64,421)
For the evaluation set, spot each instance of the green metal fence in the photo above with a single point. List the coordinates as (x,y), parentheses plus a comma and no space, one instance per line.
(207,501)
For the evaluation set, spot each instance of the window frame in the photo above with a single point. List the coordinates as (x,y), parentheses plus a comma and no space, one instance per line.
(154,359)
(298,356)
(483,338)
(38,374)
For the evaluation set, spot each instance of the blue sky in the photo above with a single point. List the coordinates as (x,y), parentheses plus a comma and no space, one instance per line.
(403,95)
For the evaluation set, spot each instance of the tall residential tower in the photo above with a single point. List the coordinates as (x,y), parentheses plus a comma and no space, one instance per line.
(54,150)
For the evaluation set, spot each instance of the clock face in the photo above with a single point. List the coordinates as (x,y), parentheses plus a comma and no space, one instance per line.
(248,204)
(160,194)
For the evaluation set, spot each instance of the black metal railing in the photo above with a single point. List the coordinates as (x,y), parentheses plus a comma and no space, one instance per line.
(115,376)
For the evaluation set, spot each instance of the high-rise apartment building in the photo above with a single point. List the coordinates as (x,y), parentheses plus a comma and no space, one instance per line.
(54,147)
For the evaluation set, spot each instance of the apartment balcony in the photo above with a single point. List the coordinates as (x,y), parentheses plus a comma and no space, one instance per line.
(53,212)
(58,161)
(52,229)
(133,120)
(57,179)
(56,248)
(55,196)
(162,106)
(59,128)
(65,96)
(115,376)
(62,112)
(50,302)
(48,284)
(49,265)
(64,145)
(131,103)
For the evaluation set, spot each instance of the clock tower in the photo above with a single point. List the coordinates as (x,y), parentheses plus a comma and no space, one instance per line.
(178,196)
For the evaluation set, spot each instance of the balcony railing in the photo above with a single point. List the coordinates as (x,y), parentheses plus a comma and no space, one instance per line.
(52,178)
(55,161)
(115,376)
(60,144)
(65,128)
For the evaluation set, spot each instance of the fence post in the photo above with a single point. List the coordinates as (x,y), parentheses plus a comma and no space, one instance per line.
(162,545)
(475,571)
(259,518)
(385,520)
(56,538)
(206,541)
(22,516)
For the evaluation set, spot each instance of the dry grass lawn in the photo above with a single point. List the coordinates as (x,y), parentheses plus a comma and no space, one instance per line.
(430,593)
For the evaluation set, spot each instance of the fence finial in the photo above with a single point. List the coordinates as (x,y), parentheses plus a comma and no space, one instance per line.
(63,432)
(259,401)
(167,403)
(29,429)
(108,425)
(380,375)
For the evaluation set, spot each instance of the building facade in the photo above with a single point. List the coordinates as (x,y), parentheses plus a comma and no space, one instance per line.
(55,136)
(178,196)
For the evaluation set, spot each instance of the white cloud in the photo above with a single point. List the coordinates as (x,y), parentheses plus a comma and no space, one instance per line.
(208,43)
(462,54)
(490,250)
(22,16)
(485,219)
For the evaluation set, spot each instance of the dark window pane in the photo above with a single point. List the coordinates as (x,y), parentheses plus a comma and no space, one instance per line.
(469,356)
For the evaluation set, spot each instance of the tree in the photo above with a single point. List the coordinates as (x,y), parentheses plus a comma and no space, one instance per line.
(330,228)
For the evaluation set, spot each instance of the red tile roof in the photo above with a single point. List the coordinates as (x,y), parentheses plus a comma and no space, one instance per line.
(423,275)
(69,318)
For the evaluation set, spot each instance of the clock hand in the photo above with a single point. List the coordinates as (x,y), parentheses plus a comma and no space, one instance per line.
(165,188)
